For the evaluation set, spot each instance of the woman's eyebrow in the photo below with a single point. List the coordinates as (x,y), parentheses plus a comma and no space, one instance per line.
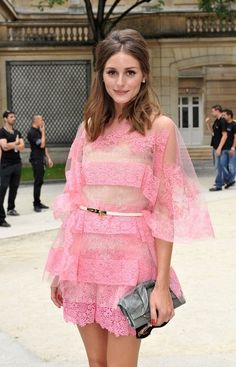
(128,68)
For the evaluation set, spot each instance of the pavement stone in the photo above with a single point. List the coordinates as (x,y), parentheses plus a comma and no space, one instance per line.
(14,354)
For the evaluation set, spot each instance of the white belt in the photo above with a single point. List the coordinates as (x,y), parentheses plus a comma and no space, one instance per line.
(108,212)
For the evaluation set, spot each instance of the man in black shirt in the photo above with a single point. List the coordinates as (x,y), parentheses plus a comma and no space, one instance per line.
(219,136)
(12,144)
(228,156)
(39,154)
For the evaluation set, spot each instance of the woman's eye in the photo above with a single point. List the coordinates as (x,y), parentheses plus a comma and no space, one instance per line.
(114,72)
(111,72)
(131,72)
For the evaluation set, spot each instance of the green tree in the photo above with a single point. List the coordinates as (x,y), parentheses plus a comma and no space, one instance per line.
(102,21)
(222,8)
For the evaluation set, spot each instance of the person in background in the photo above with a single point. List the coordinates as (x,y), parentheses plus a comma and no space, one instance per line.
(219,136)
(39,156)
(228,151)
(11,143)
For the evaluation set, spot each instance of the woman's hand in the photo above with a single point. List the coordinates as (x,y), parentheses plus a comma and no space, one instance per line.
(161,306)
(56,296)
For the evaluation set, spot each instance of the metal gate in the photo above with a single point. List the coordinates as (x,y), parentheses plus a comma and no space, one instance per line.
(57,90)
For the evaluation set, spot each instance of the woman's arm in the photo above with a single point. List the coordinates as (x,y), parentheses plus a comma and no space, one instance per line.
(166,159)
(161,304)
(56,295)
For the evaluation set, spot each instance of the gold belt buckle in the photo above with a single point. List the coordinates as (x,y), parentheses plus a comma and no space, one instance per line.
(101,213)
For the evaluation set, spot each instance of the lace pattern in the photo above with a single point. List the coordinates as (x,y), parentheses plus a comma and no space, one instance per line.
(110,319)
(98,259)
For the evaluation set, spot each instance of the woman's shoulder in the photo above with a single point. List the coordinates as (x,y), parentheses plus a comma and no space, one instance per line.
(162,122)
(81,132)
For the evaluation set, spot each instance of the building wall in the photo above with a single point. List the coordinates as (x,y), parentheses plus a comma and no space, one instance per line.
(169,4)
(39,54)
(215,57)
(220,85)
(216,83)
(59,154)
(184,63)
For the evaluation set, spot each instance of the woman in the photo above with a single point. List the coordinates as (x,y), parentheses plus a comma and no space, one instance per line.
(131,191)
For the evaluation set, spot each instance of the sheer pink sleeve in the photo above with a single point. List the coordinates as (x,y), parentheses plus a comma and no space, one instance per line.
(179,213)
(65,202)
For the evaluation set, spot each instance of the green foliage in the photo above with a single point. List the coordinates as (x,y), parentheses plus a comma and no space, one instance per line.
(222,8)
(159,5)
(50,3)
(57,172)
(102,22)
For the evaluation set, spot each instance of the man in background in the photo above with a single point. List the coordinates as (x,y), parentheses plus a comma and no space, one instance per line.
(39,156)
(219,136)
(11,144)
(228,155)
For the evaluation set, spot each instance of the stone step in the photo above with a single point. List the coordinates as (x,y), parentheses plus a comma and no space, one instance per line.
(200,153)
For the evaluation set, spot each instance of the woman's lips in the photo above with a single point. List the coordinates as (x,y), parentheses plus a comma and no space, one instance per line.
(121,92)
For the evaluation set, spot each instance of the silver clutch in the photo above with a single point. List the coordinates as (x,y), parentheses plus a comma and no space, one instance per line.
(135,306)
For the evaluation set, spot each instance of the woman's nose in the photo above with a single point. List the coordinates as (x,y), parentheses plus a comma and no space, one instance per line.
(120,80)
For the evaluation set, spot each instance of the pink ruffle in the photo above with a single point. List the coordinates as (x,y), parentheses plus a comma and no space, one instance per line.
(179,205)
(113,271)
(74,178)
(120,174)
(178,231)
(96,260)
(122,272)
(183,219)
(80,221)
(65,203)
(62,264)
(108,318)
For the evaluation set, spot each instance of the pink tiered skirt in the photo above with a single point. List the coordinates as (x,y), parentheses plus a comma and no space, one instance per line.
(95,270)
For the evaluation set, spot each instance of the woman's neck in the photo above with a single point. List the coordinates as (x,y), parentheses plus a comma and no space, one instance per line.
(118,111)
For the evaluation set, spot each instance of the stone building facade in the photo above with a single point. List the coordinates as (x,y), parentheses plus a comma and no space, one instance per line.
(193,58)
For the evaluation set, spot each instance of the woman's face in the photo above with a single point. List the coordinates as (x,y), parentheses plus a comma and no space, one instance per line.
(122,77)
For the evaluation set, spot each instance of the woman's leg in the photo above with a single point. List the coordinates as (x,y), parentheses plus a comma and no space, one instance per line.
(122,351)
(95,342)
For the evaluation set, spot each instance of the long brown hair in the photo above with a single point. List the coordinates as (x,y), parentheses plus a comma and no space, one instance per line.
(100,110)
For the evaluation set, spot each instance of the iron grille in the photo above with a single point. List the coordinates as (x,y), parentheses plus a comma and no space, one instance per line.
(57,90)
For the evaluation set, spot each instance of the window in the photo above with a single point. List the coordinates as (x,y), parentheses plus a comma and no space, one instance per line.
(188,112)
(57,90)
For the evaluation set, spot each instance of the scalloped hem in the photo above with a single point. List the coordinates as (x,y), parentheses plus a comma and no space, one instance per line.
(111,319)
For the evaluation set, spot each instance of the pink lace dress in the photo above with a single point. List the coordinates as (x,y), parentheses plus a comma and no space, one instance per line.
(97,259)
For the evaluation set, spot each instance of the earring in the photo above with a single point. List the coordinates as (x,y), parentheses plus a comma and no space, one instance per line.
(143,81)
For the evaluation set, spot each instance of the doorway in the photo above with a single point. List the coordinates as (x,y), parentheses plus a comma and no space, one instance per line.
(190,119)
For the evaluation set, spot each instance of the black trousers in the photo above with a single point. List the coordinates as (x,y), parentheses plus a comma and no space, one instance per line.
(38,171)
(9,178)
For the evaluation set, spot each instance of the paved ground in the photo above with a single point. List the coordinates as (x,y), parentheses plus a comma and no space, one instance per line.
(33,334)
